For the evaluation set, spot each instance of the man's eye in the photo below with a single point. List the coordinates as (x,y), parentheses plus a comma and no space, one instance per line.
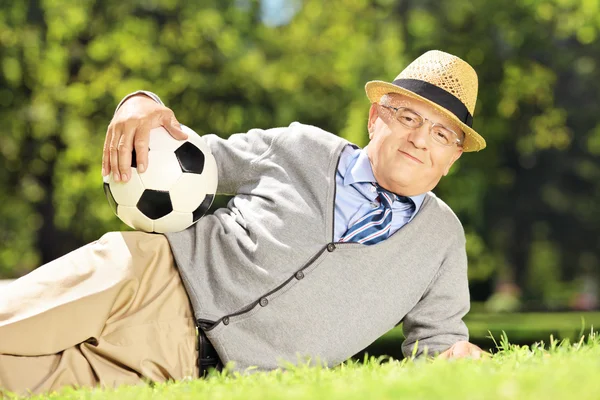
(442,135)
(409,120)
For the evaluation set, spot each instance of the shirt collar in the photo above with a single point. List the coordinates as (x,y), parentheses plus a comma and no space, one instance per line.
(359,170)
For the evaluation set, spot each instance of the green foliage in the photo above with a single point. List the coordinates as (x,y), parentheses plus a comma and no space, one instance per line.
(65,65)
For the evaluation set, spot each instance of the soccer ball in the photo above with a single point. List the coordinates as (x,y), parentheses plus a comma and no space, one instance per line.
(176,189)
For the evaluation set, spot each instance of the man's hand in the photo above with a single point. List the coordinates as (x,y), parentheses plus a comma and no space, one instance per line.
(130,128)
(464,349)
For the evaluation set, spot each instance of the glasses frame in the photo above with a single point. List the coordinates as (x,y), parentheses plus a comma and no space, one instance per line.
(457,141)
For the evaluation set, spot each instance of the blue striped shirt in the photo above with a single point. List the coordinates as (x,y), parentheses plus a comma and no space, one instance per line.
(356,195)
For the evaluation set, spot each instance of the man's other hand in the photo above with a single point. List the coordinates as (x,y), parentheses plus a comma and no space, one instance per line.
(464,349)
(130,129)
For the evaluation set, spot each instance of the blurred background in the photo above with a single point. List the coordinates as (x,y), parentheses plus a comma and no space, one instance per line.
(529,202)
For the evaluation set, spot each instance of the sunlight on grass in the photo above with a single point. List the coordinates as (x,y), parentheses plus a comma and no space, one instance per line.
(552,370)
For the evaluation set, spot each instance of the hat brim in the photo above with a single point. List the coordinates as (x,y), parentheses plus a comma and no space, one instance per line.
(376,89)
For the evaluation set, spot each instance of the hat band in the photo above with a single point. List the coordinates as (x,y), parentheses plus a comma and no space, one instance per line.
(439,96)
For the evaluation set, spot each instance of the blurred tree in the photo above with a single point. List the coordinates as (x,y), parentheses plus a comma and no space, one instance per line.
(217,65)
(527,202)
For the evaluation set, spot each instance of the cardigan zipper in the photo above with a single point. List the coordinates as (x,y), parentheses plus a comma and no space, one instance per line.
(250,306)
(207,325)
(334,195)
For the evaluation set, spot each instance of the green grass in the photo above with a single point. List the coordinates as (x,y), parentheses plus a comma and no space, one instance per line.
(552,371)
(524,326)
(521,328)
(528,326)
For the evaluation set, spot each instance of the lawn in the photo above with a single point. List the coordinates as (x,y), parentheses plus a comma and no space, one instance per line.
(542,371)
(521,328)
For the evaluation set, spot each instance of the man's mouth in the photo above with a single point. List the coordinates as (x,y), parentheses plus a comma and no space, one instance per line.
(415,159)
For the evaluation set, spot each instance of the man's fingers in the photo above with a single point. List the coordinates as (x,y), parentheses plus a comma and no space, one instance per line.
(140,144)
(106,152)
(124,150)
(170,123)
(114,154)
(134,133)
(467,349)
(458,350)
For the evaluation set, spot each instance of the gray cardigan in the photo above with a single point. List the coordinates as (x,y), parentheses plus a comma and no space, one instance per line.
(270,286)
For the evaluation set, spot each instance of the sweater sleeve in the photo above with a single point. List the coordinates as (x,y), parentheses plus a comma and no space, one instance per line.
(145,92)
(235,155)
(435,322)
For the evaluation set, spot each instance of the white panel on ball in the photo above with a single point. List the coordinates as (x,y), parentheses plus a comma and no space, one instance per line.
(196,139)
(129,193)
(188,192)
(210,173)
(135,219)
(173,222)
(161,139)
(163,170)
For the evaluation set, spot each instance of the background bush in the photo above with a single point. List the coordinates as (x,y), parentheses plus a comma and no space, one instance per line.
(529,202)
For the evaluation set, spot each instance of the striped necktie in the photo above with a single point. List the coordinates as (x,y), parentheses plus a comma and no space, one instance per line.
(375,225)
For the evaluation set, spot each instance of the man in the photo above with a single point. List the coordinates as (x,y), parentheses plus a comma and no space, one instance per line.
(323,248)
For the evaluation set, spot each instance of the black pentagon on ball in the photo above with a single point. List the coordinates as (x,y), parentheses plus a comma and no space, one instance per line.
(110,198)
(190,158)
(155,204)
(203,208)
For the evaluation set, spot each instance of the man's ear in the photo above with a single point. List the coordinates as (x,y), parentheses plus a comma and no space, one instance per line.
(455,157)
(372,118)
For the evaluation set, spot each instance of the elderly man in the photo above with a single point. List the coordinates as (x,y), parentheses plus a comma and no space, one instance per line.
(323,248)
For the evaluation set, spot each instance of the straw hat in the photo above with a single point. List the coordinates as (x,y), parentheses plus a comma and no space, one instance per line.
(445,82)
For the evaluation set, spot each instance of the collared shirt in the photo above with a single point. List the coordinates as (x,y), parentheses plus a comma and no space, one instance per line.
(356,194)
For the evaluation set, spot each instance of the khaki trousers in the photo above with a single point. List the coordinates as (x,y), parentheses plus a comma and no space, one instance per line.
(112,312)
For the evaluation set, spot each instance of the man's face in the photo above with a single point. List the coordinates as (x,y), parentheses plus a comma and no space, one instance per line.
(408,161)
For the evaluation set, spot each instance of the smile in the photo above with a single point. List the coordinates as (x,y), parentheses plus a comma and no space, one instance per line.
(411,157)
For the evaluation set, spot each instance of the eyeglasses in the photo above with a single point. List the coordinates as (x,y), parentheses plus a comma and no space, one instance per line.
(413,120)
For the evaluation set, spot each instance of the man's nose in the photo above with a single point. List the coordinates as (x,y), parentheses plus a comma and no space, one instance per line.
(419,136)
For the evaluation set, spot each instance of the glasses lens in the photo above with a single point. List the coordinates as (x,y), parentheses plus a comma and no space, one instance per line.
(442,135)
(409,118)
